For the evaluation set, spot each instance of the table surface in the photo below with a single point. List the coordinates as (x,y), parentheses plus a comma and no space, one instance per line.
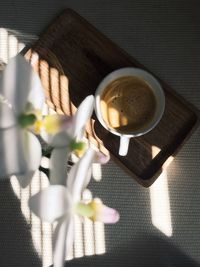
(154,230)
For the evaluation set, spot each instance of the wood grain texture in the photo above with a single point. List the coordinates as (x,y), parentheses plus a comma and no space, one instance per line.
(72,57)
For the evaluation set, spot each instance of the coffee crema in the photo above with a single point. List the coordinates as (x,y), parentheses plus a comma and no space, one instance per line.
(128,104)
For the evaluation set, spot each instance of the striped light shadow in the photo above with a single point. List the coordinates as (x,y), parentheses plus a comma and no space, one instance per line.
(160,201)
(41,232)
(25,195)
(88,229)
(70,254)
(89,236)
(96,172)
(64,94)
(36,225)
(4,49)
(20,47)
(16,187)
(78,238)
(12,46)
(9,45)
(55,85)
(47,256)
(46,228)
(99,236)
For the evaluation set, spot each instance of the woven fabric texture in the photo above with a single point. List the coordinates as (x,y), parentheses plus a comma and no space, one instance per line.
(159,226)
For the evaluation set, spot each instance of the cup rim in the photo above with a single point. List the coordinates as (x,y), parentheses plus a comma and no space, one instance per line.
(131,71)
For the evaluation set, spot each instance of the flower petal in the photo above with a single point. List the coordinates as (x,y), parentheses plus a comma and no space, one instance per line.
(55,123)
(36,96)
(88,176)
(32,150)
(51,203)
(78,177)
(101,158)
(7,116)
(20,154)
(103,213)
(59,140)
(24,180)
(108,215)
(58,165)
(62,241)
(13,160)
(33,154)
(70,235)
(16,82)
(83,113)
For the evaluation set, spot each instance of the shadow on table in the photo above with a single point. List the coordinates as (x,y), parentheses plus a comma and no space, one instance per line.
(146,251)
(16,247)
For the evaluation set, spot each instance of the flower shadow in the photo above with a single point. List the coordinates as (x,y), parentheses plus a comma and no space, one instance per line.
(15,234)
(146,250)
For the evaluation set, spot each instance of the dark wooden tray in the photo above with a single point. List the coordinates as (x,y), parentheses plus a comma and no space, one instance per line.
(72,51)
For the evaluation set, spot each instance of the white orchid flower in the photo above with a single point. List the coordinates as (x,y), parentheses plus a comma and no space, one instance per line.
(67,140)
(21,93)
(60,204)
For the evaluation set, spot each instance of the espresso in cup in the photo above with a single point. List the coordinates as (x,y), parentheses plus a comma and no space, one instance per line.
(128,104)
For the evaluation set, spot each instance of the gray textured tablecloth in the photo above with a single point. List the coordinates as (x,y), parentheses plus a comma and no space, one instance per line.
(165,37)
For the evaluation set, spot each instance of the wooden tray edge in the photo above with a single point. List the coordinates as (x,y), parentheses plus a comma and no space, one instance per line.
(150,181)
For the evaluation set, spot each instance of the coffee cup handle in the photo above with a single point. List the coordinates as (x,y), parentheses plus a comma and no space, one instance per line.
(124,144)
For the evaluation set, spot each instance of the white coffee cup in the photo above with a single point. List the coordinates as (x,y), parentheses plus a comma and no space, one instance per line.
(158,93)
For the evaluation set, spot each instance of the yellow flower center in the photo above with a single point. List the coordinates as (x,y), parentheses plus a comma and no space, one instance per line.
(92,210)
(52,124)
(38,126)
(96,207)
